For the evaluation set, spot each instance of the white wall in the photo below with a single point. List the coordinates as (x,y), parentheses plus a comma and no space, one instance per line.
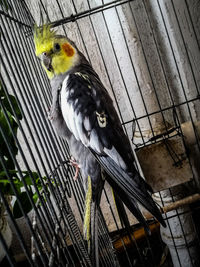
(156,49)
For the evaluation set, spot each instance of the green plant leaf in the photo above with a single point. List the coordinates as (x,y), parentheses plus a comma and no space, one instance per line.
(8,134)
(4,3)
(35,197)
(6,102)
(5,183)
(28,180)
(26,204)
(3,173)
(35,176)
(11,109)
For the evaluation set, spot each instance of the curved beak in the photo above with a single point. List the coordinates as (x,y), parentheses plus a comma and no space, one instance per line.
(46,60)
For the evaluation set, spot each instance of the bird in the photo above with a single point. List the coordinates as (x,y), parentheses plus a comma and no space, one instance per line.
(83,113)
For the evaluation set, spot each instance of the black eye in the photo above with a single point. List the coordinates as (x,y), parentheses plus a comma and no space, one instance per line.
(56,47)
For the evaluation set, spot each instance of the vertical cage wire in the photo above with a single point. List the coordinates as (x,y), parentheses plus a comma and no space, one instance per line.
(52,221)
(52,224)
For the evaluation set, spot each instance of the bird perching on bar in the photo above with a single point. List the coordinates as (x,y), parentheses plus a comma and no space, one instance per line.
(83,113)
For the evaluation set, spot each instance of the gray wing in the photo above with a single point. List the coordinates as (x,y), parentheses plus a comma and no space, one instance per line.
(89,114)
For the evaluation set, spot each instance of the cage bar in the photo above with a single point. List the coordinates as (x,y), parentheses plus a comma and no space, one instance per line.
(147,55)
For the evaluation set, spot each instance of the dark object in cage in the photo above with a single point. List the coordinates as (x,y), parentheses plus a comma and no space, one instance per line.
(132,46)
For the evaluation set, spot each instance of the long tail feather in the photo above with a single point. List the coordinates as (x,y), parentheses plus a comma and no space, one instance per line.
(94,247)
(129,190)
(87,213)
(90,226)
(123,216)
(121,211)
(131,205)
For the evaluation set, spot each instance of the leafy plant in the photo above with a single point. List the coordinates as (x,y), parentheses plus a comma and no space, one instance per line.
(4,4)
(8,173)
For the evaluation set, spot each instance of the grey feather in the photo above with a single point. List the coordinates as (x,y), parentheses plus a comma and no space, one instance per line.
(86,117)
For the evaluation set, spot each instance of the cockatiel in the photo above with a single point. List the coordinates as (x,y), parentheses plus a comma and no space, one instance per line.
(83,113)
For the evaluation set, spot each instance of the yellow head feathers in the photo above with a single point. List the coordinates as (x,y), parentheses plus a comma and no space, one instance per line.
(56,52)
(43,38)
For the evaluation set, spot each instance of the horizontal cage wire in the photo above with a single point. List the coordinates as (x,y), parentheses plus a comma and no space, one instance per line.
(146,53)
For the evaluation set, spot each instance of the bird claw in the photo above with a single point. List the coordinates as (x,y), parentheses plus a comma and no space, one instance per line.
(77,167)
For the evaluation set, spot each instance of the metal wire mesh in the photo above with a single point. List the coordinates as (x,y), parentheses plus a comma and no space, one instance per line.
(40,162)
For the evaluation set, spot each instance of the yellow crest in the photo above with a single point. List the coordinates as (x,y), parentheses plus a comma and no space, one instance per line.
(43,37)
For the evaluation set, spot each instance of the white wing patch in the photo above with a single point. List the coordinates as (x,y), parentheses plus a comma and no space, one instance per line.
(87,124)
(64,104)
(94,142)
(67,109)
(79,127)
(73,121)
(115,156)
(82,128)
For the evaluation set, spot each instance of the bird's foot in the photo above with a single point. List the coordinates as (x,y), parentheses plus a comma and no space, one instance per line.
(77,167)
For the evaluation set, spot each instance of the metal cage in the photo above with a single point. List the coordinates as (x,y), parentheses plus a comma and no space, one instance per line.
(147,55)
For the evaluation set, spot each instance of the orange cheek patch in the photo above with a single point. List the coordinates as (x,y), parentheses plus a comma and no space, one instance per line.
(68,49)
